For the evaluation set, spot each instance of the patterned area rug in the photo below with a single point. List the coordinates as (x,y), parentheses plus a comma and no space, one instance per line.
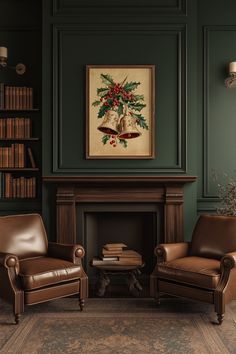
(118,326)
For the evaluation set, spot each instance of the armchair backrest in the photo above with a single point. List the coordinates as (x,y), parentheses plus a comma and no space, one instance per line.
(23,235)
(214,236)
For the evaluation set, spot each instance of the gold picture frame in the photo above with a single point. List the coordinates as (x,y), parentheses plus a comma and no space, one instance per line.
(120,111)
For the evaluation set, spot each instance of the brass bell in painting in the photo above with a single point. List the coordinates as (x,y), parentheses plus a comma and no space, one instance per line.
(128,128)
(110,123)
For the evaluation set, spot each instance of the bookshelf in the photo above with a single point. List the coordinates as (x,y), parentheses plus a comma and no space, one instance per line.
(19,145)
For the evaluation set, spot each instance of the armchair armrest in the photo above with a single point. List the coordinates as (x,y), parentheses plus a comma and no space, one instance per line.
(228,261)
(72,253)
(8,260)
(227,267)
(169,251)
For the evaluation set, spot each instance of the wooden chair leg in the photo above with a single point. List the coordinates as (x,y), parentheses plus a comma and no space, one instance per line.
(81,304)
(17,318)
(220,317)
(18,306)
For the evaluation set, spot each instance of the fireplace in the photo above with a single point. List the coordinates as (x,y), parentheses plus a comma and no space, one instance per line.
(139,211)
(136,225)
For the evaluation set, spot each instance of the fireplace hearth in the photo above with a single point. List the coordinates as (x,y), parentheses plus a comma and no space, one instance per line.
(138,226)
(141,211)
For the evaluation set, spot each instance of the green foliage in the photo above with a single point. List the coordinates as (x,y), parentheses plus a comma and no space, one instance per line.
(96,103)
(120,109)
(138,97)
(103,110)
(102,91)
(107,79)
(131,86)
(140,120)
(136,106)
(105,139)
(123,142)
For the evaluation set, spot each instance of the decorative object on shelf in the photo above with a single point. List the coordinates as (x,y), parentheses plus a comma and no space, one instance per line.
(230,82)
(227,194)
(123,96)
(19,68)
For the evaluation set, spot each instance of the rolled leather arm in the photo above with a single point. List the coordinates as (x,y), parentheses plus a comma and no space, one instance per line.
(228,261)
(169,251)
(72,253)
(8,260)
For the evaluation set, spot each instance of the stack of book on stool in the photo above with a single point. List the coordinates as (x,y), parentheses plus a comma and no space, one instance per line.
(116,254)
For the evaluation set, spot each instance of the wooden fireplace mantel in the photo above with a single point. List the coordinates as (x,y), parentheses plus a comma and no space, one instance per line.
(167,191)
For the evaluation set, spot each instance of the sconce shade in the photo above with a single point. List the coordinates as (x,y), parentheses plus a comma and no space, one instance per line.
(230,82)
(3,52)
(19,68)
(232,67)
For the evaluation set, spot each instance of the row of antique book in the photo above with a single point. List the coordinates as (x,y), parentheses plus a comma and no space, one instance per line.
(16,97)
(14,156)
(115,254)
(17,187)
(15,128)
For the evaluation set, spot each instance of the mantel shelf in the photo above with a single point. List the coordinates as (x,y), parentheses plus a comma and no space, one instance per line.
(120,179)
(166,192)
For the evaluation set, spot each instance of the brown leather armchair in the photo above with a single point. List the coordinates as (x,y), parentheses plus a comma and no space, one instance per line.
(33,270)
(203,269)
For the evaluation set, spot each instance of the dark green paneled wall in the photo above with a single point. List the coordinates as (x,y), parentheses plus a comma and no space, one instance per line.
(217,108)
(163,33)
(189,41)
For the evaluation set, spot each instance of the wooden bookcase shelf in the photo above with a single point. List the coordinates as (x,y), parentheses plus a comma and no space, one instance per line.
(19,110)
(19,158)
(18,169)
(19,139)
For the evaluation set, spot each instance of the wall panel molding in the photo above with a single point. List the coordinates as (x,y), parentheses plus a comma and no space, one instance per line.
(207,30)
(92,7)
(207,201)
(179,31)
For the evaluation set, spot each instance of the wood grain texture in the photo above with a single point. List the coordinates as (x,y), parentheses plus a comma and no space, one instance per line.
(165,191)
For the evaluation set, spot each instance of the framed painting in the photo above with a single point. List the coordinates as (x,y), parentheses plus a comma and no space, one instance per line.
(120,111)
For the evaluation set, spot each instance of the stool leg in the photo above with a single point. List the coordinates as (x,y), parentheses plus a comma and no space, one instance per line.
(102,283)
(81,304)
(133,283)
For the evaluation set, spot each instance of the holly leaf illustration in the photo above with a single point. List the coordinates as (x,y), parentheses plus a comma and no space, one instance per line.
(123,142)
(138,97)
(102,91)
(105,139)
(140,120)
(96,103)
(107,79)
(130,86)
(120,109)
(102,111)
(137,106)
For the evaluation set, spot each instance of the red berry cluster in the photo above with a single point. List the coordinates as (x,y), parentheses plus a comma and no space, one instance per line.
(128,96)
(113,95)
(117,89)
(113,141)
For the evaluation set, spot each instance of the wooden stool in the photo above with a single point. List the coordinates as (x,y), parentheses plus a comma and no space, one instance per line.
(106,271)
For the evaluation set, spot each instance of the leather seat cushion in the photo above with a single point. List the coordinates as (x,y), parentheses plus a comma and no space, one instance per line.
(45,271)
(197,271)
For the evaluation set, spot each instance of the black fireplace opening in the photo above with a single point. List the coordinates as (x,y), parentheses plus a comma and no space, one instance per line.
(136,225)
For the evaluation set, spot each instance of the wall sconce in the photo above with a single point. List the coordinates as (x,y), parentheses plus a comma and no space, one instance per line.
(230,82)
(20,68)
